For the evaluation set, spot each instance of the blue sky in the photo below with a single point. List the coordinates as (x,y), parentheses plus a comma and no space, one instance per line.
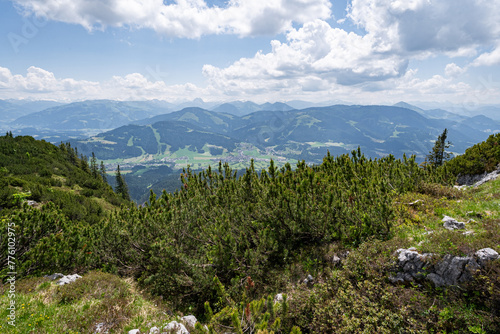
(359,51)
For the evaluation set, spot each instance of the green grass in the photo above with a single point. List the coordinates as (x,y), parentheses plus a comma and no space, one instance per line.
(44,307)
(478,208)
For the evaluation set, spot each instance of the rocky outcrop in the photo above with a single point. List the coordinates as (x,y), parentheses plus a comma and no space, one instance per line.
(449,271)
(63,279)
(477,179)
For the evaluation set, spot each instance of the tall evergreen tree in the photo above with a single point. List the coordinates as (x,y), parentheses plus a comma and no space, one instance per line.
(438,155)
(94,169)
(103,172)
(121,187)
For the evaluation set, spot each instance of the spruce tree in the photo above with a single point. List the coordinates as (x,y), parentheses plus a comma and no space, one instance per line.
(438,155)
(93,166)
(103,172)
(121,187)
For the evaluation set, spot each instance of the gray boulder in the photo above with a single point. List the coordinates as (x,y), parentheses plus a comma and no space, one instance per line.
(308,280)
(486,254)
(454,270)
(174,327)
(412,265)
(452,224)
(189,321)
(278,298)
(68,279)
(54,276)
(134,331)
(154,330)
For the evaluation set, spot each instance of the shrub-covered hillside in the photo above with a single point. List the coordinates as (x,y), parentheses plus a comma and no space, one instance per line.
(55,199)
(226,244)
(480,158)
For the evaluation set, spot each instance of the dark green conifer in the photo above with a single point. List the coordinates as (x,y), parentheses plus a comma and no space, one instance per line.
(103,172)
(121,187)
(438,155)
(94,169)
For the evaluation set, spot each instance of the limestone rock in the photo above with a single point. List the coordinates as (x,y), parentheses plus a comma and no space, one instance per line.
(308,280)
(450,270)
(469,180)
(486,254)
(477,179)
(452,224)
(174,327)
(336,260)
(134,331)
(488,177)
(189,321)
(54,276)
(154,330)
(68,279)
(278,298)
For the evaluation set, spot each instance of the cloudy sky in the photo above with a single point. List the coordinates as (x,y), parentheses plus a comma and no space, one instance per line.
(359,51)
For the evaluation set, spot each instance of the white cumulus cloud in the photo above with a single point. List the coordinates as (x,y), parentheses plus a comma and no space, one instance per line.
(488,58)
(424,25)
(314,53)
(38,83)
(452,70)
(183,18)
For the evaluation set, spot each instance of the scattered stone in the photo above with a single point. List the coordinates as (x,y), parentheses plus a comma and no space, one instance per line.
(189,321)
(336,260)
(54,276)
(154,330)
(99,328)
(32,203)
(467,233)
(174,327)
(278,298)
(68,279)
(134,331)
(486,254)
(461,187)
(452,224)
(308,279)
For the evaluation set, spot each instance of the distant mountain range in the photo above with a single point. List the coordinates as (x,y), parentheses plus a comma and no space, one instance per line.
(134,129)
(54,121)
(290,134)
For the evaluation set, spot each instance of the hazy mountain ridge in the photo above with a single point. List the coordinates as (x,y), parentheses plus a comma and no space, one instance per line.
(99,114)
(291,134)
(275,129)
